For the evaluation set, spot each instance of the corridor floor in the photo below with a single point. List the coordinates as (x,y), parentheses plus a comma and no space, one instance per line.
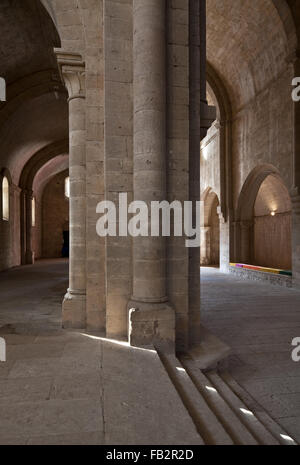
(258,321)
(61,387)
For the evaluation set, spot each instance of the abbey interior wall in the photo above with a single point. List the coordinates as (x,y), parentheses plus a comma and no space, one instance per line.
(118,155)
(263,133)
(178,157)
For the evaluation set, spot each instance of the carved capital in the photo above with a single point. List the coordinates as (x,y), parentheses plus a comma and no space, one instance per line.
(72,70)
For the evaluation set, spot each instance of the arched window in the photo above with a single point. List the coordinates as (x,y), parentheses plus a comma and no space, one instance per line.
(5,199)
(67,187)
(33,212)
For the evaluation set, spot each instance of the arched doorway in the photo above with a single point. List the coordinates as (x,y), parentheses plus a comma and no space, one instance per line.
(264,221)
(55,217)
(210,229)
(273,225)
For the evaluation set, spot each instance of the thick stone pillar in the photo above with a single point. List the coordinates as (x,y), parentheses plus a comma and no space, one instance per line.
(224,245)
(151,319)
(74,305)
(194,164)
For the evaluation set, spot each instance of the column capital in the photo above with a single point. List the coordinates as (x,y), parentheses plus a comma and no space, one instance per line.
(72,71)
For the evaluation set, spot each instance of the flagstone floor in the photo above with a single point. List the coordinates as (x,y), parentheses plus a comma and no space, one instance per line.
(258,321)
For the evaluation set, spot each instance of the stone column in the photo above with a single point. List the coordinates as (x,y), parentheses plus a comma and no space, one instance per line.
(205,245)
(194,164)
(151,319)
(26,227)
(73,73)
(29,257)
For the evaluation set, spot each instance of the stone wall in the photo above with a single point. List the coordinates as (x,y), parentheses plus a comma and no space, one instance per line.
(178,157)
(263,132)
(272,241)
(118,156)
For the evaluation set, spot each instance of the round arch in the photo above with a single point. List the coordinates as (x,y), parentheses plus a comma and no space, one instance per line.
(263,220)
(250,190)
(210,228)
(27,177)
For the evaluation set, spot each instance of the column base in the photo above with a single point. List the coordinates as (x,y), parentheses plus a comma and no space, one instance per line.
(74,311)
(151,324)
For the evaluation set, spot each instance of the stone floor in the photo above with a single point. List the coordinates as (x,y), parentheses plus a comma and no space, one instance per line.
(60,387)
(258,321)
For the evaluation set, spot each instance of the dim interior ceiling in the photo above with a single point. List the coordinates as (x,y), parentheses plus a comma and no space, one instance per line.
(248,42)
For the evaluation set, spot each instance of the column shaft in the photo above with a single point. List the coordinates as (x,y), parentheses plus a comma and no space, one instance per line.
(194,165)
(28,212)
(148,305)
(74,306)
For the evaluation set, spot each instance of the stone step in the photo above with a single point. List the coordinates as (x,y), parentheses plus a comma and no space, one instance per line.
(246,416)
(210,352)
(275,429)
(208,425)
(231,422)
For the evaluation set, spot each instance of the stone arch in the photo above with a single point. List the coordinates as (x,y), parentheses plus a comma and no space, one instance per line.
(54,215)
(210,228)
(289,23)
(26,186)
(273,225)
(39,159)
(49,8)
(67,18)
(248,228)
(250,190)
